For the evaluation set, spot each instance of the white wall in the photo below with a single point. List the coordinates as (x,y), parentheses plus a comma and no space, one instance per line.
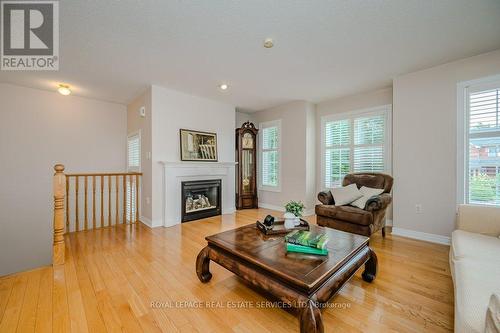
(297,157)
(171,111)
(242,117)
(311,157)
(425,141)
(37,130)
(143,124)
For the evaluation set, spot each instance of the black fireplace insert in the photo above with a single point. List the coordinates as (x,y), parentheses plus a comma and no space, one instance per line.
(201,199)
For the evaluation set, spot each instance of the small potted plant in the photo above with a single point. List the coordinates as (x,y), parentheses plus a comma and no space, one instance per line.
(293,213)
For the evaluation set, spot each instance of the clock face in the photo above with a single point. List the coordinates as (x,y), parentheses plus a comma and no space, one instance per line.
(247,141)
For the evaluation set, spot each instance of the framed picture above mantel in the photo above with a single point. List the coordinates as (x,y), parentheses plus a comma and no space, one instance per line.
(198,146)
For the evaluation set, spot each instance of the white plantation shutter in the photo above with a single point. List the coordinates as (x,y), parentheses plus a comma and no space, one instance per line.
(133,165)
(369,141)
(355,142)
(270,154)
(337,151)
(483,186)
(134,152)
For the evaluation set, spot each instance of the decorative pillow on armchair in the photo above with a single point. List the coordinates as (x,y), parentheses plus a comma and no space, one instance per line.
(367,193)
(345,195)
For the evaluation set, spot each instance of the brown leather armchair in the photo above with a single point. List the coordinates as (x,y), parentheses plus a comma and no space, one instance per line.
(353,219)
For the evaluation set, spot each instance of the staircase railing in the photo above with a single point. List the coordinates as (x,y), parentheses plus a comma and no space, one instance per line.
(86,201)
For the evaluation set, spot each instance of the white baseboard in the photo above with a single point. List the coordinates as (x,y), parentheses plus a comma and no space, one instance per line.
(307,212)
(171,223)
(273,207)
(388,223)
(147,222)
(433,238)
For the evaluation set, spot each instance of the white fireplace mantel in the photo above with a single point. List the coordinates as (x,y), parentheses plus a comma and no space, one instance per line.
(178,164)
(176,172)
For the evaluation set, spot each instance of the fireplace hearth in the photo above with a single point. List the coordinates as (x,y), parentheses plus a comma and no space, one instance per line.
(200,199)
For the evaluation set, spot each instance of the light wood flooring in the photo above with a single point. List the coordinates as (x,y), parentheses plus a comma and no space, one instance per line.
(136,279)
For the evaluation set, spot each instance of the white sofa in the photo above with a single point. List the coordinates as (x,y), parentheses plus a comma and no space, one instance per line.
(475,265)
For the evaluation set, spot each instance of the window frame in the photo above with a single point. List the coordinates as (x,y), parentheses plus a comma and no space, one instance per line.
(385,110)
(262,125)
(129,136)
(464,89)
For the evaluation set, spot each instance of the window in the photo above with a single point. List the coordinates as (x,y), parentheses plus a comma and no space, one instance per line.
(133,165)
(270,158)
(482,174)
(355,142)
(134,152)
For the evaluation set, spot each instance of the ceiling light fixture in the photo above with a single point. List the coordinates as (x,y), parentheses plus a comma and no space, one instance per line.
(268,43)
(223,86)
(64,89)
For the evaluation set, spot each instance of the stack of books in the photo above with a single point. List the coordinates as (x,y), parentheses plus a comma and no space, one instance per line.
(306,242)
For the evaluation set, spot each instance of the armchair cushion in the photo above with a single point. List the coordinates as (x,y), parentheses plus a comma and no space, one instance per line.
(345,195)
(346,213)
(378,202)
(367,192)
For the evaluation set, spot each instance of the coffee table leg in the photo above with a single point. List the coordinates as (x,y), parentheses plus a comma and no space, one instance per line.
(370,268)
(202,265)
(310,319)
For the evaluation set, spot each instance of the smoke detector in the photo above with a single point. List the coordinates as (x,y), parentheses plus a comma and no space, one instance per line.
(268,43)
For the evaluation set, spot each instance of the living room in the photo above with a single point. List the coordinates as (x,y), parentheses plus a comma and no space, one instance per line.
(161,160)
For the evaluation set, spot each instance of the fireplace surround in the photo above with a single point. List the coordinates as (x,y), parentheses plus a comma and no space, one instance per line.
(174,173)
(200,199)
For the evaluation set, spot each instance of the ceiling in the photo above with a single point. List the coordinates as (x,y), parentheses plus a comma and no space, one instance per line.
(112,50)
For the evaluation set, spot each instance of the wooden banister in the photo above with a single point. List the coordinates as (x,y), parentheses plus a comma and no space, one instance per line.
(59,188)
(113,193)
(68,190)
(136,198)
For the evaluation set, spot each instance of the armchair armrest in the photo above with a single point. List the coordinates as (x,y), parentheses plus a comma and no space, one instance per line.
(326,198)
(378,202)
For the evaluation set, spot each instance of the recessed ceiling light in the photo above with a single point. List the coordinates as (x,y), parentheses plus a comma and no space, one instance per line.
(64,89)
(223,86)
(268,43)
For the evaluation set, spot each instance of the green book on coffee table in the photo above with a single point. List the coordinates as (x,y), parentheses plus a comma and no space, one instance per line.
(305,249)
(307,238)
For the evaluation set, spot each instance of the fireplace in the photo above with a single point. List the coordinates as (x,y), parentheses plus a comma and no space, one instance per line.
(200,199)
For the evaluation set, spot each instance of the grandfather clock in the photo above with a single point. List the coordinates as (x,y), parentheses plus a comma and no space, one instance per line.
(246,171)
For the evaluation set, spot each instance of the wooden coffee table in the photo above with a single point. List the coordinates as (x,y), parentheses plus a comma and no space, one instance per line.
(297,280)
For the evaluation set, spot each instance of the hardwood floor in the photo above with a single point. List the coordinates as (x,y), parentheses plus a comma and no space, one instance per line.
(133,279)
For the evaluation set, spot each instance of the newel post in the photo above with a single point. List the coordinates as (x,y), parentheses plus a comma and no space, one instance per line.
(59,188)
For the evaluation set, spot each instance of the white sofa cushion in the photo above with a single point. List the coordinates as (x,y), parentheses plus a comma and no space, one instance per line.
(480,219)
(470,245)
(345,195)
(475,281)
